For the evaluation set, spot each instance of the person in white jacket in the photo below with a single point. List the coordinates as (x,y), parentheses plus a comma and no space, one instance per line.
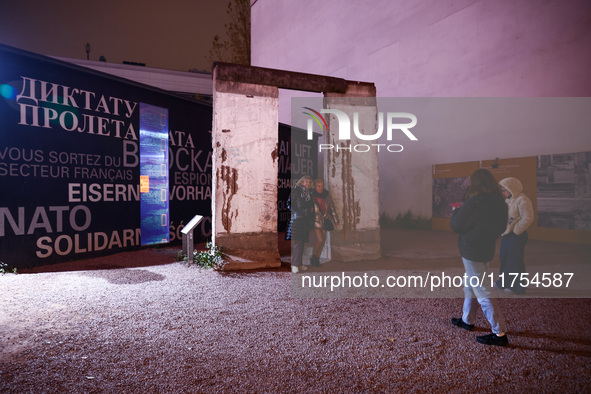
(512,254)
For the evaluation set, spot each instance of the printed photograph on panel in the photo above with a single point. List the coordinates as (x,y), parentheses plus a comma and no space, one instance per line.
(447,191)
(564,191)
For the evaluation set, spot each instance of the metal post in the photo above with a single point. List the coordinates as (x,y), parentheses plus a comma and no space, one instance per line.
(187,231)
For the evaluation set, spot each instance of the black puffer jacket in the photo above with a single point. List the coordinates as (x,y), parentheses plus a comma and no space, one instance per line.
(479,221)
(302,214)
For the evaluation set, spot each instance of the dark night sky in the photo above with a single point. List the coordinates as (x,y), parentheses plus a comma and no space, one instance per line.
(170,34)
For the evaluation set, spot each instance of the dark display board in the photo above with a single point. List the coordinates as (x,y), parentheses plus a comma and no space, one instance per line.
(298,156)
(72,150)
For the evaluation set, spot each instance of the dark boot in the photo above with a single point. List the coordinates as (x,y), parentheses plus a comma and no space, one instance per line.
(315,261)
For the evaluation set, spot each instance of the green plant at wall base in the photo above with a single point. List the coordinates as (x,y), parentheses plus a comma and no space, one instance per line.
(5,269)
(406,220)
(211,258)
(181,256)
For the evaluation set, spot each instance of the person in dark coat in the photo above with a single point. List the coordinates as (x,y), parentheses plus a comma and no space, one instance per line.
(302,218)
(479,221)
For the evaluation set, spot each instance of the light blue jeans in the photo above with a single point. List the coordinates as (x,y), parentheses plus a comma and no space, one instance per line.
(482,294)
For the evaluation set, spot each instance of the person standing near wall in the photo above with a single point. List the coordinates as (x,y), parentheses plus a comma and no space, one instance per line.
(302,215)
(325,218)
(520,217)
(479,221)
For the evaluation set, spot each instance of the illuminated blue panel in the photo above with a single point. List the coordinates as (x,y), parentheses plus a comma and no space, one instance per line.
(154,174)
(7,91)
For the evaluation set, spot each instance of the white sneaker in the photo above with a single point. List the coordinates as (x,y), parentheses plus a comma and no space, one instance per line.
(295,269)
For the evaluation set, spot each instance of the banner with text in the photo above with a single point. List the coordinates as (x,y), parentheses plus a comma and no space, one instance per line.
(73,156)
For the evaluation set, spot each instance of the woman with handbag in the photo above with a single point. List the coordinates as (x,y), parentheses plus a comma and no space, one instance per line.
(325,218)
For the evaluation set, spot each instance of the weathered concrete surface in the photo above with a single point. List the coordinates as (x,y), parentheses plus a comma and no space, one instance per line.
(244,197)
(245,167)
(279,78)
(353,177)
(247,251)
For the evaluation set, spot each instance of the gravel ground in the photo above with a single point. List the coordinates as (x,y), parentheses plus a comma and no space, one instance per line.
(172,328)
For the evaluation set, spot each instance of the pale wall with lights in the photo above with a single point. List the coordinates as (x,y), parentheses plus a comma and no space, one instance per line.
(429,48)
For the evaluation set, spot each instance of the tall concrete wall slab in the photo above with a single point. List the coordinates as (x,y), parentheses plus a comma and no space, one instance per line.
(353,177)
(245,173)
(245,143)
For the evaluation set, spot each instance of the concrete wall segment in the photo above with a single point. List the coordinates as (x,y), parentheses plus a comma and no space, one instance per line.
(245,136)
(244,200)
